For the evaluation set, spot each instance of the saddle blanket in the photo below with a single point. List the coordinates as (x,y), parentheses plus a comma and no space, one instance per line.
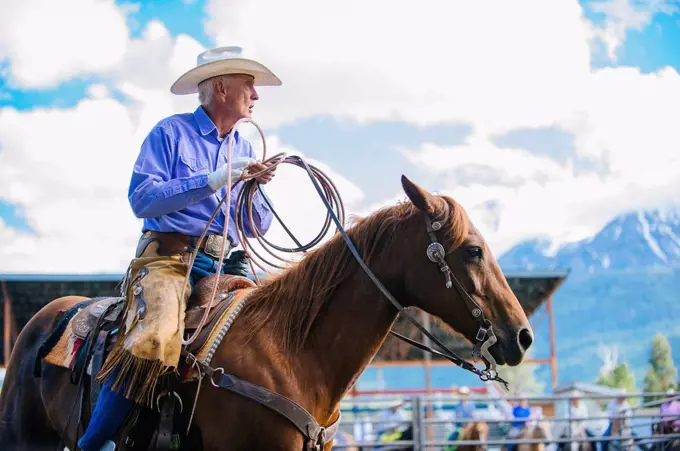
(218,331)
(67,339)
(62,346)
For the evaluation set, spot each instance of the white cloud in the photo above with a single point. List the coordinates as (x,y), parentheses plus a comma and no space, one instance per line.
(525,66)
(72,187)
(530,196)
(622,16)
(98,91)
(441,61)
(48,42)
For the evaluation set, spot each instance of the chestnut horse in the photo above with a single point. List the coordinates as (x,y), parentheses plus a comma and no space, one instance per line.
(307,333)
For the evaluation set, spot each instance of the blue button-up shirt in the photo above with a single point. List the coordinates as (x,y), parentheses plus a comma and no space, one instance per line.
(169,186)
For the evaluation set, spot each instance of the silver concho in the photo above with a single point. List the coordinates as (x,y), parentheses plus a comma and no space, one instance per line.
(436,225)
(476,312)
(435,252)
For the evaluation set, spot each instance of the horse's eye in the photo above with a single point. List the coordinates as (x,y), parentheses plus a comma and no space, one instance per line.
(475,252)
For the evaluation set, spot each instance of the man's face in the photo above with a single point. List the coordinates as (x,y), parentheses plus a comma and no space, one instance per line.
(240,96)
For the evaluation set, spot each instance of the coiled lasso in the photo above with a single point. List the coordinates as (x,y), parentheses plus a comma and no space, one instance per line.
(244,203)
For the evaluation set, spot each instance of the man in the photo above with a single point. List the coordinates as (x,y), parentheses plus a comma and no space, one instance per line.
(392,422)
(578,412)
(463,411)
(521,413)
(578,415)
(670,413)
(177,182)
(620,413)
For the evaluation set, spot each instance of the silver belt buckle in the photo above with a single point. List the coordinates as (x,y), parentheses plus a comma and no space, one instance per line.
(213,246)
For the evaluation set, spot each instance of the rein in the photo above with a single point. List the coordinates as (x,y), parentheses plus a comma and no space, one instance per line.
(318,436)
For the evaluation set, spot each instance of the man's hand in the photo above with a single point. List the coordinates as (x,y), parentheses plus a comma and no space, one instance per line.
(258,167)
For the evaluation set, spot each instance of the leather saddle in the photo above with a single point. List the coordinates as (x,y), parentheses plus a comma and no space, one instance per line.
(86,319)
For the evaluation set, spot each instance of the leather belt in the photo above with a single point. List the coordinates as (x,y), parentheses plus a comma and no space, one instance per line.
(171,243)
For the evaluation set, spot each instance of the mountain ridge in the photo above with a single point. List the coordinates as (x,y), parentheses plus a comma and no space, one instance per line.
(621,290)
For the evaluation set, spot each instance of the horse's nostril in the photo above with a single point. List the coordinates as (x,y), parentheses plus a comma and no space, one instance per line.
(525,338)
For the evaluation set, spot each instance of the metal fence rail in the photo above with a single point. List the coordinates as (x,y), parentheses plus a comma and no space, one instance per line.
(430,424)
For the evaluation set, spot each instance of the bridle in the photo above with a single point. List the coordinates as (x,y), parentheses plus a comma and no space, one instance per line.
(485,337)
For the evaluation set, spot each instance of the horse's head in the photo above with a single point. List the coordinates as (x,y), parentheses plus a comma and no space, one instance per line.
(442,238)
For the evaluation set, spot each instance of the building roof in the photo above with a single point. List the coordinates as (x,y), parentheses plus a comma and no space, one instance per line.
(586,388)
(30,292)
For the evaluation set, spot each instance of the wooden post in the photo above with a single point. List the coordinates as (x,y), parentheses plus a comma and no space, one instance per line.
(427,357)
(553,354)
(7,324)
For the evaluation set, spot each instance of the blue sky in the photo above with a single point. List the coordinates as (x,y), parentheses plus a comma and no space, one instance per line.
(359,150)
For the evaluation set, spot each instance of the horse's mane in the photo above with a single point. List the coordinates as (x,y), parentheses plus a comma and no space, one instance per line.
(291,300)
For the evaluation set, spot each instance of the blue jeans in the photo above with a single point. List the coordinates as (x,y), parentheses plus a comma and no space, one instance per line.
(112,408)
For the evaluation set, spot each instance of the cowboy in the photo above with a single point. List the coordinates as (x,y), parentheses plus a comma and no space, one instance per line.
(177,182)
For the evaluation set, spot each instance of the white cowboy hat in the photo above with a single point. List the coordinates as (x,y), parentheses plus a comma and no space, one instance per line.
(223,61)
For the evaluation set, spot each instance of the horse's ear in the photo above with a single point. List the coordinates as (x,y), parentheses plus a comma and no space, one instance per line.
(420,198)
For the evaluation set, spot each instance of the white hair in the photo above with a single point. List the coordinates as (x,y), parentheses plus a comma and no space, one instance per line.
(206,88)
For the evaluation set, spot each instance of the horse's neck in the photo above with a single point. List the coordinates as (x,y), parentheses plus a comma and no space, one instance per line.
(346,337)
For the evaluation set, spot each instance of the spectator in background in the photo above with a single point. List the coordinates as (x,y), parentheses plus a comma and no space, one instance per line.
(392,422)
(620,413)
(465,410)
(578,412)
(577,428)
(671,408)
(521,413)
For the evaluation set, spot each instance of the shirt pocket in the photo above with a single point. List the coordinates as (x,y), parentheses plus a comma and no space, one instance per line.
(192,165)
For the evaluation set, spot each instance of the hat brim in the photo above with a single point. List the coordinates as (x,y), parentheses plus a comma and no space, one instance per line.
(188,82)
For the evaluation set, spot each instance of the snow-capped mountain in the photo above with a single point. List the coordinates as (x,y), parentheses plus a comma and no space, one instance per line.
(623,288)
(633,240)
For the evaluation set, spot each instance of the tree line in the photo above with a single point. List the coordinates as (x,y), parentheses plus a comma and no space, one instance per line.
(661,375)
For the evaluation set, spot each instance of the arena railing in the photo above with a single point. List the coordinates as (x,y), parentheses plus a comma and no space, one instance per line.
(426,435)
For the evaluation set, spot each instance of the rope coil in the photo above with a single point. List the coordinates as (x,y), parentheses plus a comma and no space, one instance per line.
(243,206)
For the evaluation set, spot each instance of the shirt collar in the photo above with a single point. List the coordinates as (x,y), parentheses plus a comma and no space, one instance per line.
(207,126)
